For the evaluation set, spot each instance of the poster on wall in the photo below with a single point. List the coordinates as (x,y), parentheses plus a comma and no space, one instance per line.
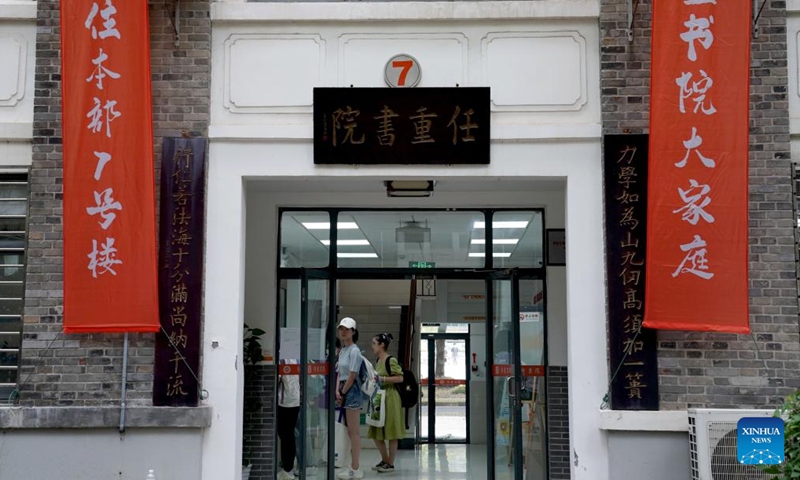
(697,250)
(632,348)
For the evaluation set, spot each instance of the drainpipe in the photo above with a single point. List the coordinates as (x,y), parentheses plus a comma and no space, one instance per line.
(124,384)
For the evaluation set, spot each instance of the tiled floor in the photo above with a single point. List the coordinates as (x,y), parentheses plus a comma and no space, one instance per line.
(440,462)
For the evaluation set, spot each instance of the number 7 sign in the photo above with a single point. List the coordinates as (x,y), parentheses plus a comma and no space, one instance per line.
(402,71)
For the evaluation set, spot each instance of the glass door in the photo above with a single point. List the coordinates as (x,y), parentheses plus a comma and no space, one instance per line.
(505,399)
(533,352)
(317,290)
(444,374)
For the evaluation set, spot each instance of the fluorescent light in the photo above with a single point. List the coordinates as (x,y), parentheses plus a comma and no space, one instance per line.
(512,224)
(346,242)
(357,255)
(395,307)
(327,225)
(495,241)
(496,254)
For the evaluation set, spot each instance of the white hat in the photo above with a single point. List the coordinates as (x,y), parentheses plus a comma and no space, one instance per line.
(348,322)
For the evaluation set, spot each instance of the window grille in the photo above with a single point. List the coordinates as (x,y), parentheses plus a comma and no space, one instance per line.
(14,193)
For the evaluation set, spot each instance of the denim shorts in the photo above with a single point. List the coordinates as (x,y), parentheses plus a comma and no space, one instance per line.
(352,399)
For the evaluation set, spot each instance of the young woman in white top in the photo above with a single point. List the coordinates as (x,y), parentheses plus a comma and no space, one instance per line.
(348,391)
(288,411)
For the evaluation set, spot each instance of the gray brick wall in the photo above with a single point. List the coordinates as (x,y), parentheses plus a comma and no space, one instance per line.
(85,370)
(558,422)
(722,370)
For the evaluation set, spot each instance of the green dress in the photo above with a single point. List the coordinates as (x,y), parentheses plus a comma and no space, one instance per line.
(393,428)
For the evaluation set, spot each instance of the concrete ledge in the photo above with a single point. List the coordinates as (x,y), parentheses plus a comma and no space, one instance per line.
(402,11)
(19,10)
(639,421)
(104,417)
(793,6)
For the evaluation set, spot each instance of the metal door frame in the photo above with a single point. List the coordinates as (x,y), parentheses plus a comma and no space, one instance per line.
(431,338)
(514,390)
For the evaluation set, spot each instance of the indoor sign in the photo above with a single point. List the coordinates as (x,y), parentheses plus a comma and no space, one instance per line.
(371,126)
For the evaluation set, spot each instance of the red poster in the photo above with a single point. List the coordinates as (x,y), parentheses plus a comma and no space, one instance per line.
(697,192)
(109,203)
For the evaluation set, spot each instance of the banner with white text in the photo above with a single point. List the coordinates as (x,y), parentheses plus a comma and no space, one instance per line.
(109,202)
(698,169)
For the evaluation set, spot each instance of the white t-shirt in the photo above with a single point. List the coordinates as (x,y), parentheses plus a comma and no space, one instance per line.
(289,390)
(349,361)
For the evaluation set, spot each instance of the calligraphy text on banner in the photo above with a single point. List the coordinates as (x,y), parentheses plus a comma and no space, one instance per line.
(109,202)
(371,126)
(632,348)
(698,193)
(180,279)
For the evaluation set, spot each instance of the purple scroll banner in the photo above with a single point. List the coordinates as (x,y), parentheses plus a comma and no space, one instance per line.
(180,272)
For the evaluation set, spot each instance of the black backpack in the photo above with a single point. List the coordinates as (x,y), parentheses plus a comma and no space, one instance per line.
(409,389)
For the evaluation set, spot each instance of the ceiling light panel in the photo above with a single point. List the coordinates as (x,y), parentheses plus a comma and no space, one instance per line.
(495,241)
(496,254)
(510,224)
(327,226)
(356,255)
(348,243)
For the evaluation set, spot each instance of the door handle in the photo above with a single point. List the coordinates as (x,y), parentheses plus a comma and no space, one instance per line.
(511,387)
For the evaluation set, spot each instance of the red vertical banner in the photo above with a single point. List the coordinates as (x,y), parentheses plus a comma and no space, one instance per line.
(697,194)
(109,203)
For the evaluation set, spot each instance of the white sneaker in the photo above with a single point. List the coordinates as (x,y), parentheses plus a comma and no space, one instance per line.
(284,475)
(350,473)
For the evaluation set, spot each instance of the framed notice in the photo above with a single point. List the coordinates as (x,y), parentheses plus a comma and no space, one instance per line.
(556,239)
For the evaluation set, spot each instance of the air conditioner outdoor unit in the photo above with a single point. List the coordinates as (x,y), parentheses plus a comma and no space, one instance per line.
(712,443)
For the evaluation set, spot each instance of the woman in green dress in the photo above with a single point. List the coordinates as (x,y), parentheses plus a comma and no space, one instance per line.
(393,429)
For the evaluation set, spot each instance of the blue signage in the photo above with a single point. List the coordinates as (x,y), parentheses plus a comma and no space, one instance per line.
(760,441)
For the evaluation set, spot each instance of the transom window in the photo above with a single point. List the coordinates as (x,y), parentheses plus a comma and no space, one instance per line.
(417,239)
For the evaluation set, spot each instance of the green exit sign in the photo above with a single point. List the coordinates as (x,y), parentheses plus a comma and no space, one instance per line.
(421,264)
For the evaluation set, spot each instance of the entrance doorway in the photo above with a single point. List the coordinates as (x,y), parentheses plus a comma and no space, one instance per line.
(444,375)
(482,387)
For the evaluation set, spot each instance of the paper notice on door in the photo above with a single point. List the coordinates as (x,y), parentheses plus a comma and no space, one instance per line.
(289,347)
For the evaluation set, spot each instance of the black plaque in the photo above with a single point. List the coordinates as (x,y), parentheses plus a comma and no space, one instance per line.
(378,126)
(180,272)
(632,348)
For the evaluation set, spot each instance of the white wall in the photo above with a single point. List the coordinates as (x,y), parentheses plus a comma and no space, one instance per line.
(294,185)
(100,454)
(541,60)
(17,52)
(663,455)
